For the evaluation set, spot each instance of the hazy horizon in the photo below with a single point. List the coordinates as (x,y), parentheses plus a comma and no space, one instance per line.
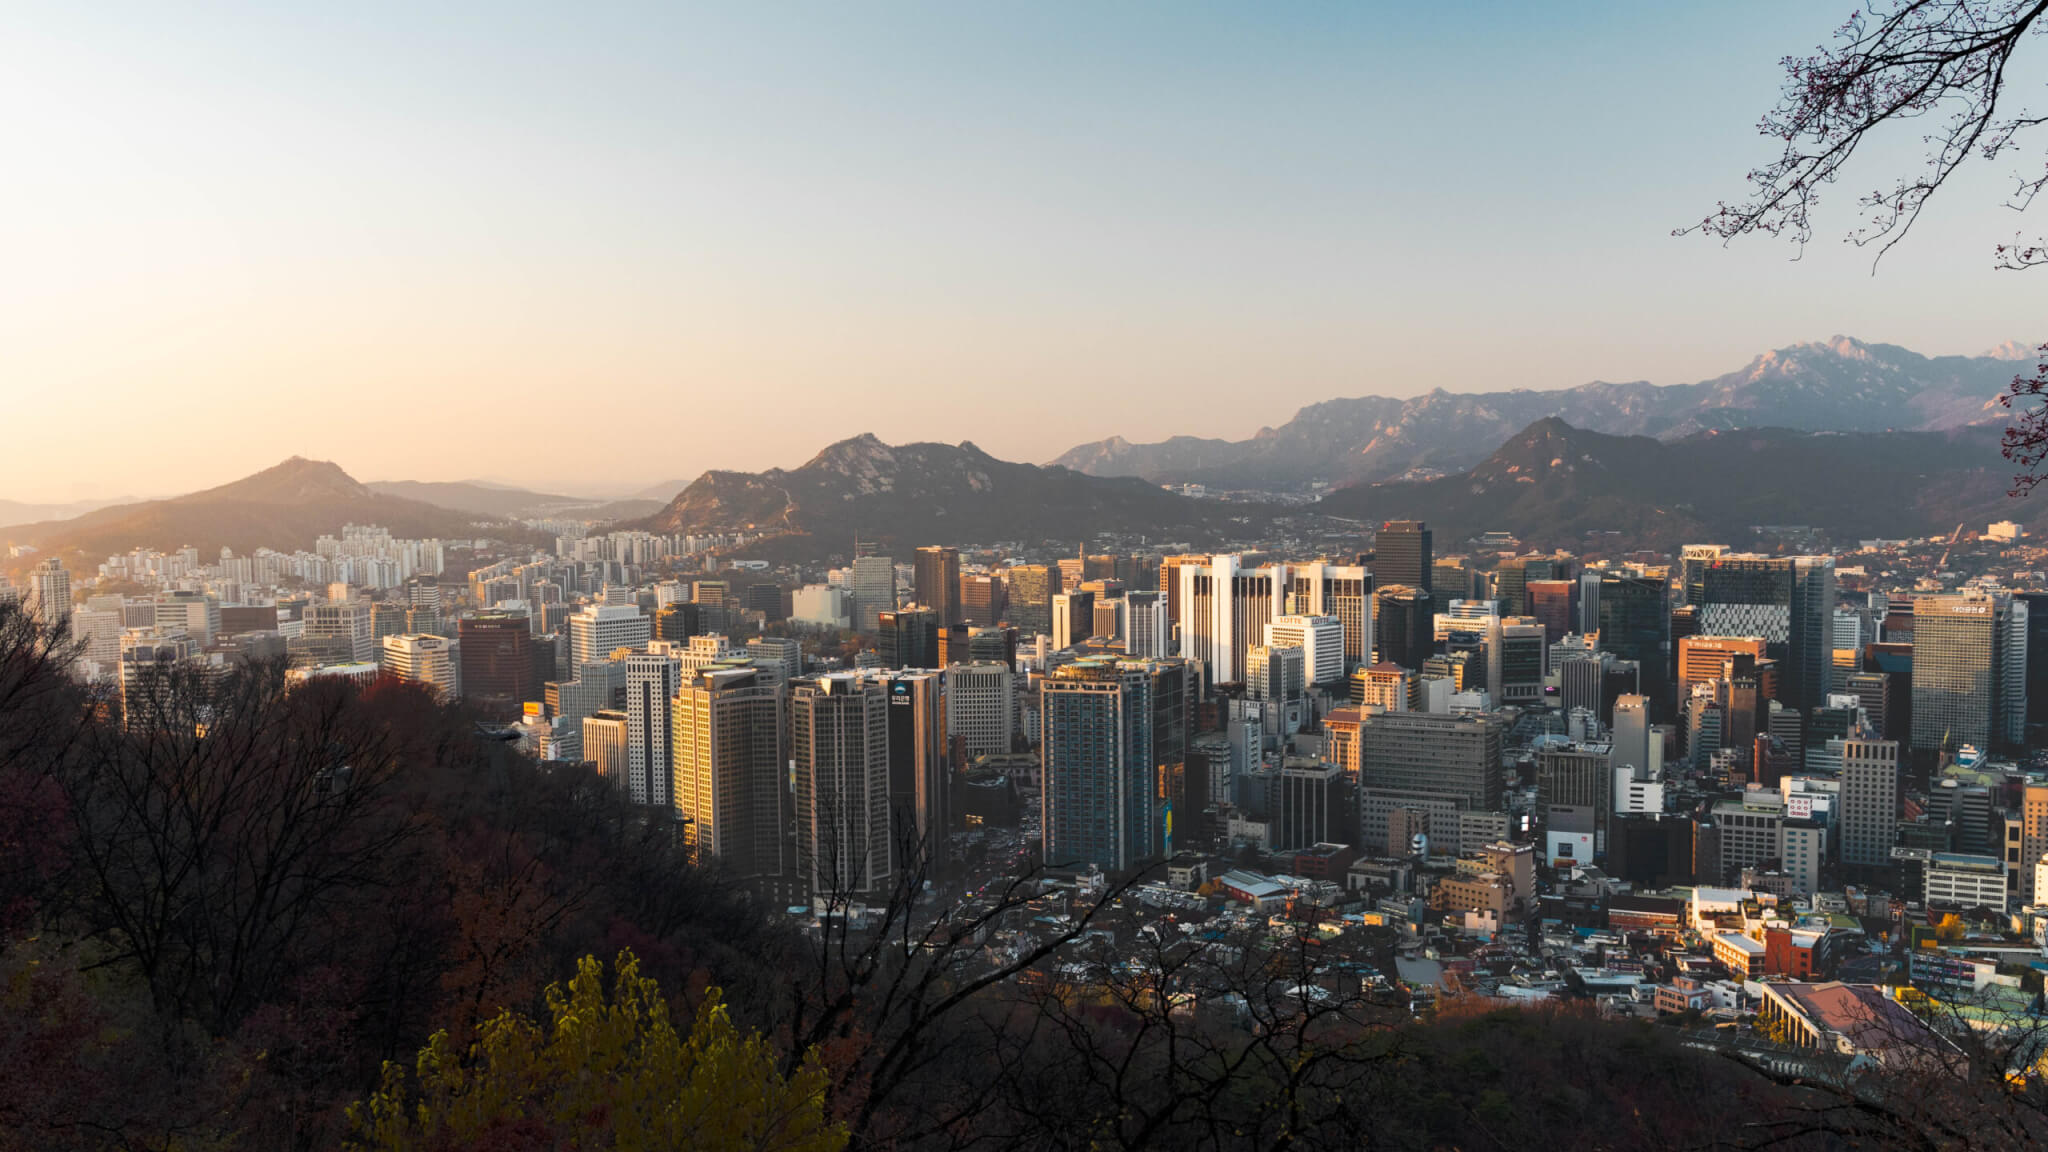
(403,240)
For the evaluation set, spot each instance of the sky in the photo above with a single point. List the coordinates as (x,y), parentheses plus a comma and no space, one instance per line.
(590,247)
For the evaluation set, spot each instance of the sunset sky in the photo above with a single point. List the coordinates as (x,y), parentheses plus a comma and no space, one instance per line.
(588,247)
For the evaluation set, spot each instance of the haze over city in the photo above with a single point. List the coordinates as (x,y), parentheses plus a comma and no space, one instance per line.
(759,229)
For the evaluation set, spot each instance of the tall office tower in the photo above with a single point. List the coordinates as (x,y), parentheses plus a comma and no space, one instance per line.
(344,622)
(1870,802)
(1705,659)
(981,707)
(920,775)
(147,663)
(197,615)
(677,622)
(433,661)
(1073,570)
(1109,619)
(1321,640)
(1147,633)
(1511,582)
(1406,633)
(1401,555)
(2037,657)
(1306,805)
(1031,588)
(386,619)
(607,734)
(652,680)
(1630,743)
(937,582)
(1450,762)
(1387,686)
(839,764)
(908,638)
(981,599)
(1847,629)
(1225,608)
(1343,591)
(595,688)
(1517,651)
(1693,562)
(1872,691)
(498,667)
(1275,674)
(1451,578)
(874,590)
(1073,618)
(702,652)
(99,629)
(1968,680)
(786,654)
(1589,602)
(1787,600)
(1575,786)
(2033,843)
(729,767)
(601,629)
(1635,624)
(1099,795)
(49,586)
(1170,582)
(1554,604)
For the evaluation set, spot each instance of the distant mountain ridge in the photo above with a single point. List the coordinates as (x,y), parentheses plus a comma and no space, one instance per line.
(1841,385)
(1552,484)
(285,507)
(925,493)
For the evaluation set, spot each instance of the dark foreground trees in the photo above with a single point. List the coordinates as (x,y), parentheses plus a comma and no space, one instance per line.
(228,924)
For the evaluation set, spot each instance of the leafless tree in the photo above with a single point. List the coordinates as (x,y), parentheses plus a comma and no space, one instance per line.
(1943,64)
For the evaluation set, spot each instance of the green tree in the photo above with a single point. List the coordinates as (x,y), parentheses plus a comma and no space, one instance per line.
(602,1072)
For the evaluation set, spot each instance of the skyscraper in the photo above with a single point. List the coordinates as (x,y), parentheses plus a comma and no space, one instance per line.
(50,593)
(1401,555)
(729,768)
(981,599)
(1969,670)
(874,590)
(908,638)
(981,707)
(652,678)
(1100,795)
(1030,589)
(1224,609)
(497,659)
(1321,639)
(1870,802)
(1406,634)
(1787,600)
(604,742)
(1148,635)
(937,580)
(1073,618)
(839,761)
(600,629)
(920,774)
(1635,625)
(428,660)
(1343,591)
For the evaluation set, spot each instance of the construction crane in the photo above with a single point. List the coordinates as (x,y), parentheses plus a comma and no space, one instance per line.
(1942,564)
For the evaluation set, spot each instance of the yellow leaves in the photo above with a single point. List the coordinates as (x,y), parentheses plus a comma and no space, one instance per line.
(606,1070)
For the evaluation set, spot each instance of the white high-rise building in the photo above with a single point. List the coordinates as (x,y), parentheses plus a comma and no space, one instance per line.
(1224,610)
(839,764)
(350,620)
(652,678)
(600,629)
(1321,639)
(1148,634)
(1339,590)
(981,706)
(421,659)
(50,593)
(704,651)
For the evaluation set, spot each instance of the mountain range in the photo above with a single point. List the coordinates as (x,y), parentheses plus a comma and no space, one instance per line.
(285,507)
(913,494)
(498,500)
(1554,485)
(1842,385)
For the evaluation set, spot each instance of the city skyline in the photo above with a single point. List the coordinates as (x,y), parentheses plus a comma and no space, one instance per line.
(270,232)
